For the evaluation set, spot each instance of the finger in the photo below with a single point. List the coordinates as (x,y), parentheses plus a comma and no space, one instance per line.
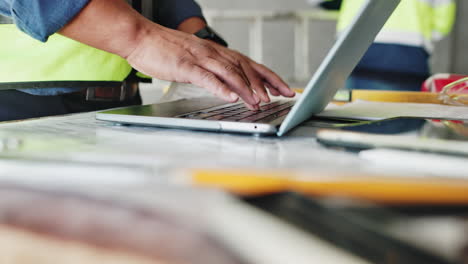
(273,79)
(231,56)
(228,54)
(272,89)
(265,72)
(252,107)
(256,82)
(237,67)
(236,58)
(230,75)
(200,77)
(207,49)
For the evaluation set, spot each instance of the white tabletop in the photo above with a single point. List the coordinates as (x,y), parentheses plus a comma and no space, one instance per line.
(94,153)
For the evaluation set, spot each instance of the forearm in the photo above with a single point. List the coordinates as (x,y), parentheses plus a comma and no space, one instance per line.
(109,25)
(101,21)
(163,53)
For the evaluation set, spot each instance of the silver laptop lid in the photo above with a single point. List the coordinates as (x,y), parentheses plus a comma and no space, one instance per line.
(340,61)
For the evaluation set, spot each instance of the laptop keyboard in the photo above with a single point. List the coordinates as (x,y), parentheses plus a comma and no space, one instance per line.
(240,113)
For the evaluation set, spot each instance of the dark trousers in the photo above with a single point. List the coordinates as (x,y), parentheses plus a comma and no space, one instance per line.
(16,105)
(385,81)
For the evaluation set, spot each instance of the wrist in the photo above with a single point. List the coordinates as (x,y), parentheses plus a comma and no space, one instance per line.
(108,25)
(142,31)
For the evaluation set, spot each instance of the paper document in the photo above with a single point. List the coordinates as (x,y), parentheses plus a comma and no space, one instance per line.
(416,163)
(363,110)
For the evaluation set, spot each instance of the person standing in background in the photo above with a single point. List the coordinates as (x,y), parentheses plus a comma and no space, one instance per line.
(399,58)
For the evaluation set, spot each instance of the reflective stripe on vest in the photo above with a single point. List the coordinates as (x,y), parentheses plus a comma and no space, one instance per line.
(415,22)
(61,62)
(5,20)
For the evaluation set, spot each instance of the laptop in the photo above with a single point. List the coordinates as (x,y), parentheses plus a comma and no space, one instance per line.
(279,116)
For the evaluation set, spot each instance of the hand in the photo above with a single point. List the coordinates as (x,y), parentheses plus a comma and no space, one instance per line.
(171,55)
(194,24)
(176,56)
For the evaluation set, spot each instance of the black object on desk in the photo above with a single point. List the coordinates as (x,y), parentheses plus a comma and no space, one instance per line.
(362,232)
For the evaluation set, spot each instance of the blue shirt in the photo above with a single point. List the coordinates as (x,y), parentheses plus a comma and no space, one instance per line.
(42,18)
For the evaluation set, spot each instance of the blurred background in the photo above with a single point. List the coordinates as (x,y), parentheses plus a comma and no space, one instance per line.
(272,31)
(292,37)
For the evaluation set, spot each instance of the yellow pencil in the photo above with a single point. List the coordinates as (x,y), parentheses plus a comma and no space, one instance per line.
(383,189)
(389,96)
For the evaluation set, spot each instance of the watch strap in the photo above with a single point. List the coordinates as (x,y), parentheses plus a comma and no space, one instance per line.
(209,34)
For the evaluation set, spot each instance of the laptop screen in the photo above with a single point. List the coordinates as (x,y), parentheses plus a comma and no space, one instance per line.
(340,61)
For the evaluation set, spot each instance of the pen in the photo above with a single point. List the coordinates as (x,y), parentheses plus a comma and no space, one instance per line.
(346,96)
(378,188)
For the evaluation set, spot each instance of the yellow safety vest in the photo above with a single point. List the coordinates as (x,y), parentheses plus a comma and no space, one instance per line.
(60,62)
(415,22)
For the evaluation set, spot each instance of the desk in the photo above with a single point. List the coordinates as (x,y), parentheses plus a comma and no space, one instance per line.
(82,138)
(150,155)
(140,161)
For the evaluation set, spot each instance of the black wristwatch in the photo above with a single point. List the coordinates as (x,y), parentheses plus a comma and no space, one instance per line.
(210,34)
